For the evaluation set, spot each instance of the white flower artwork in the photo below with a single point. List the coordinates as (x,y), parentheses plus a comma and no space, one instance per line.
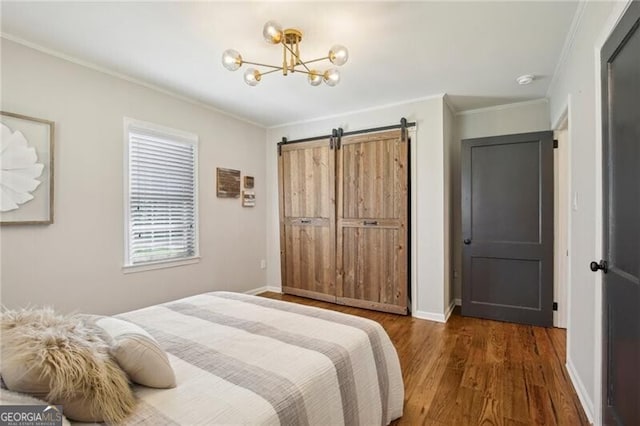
(19,170)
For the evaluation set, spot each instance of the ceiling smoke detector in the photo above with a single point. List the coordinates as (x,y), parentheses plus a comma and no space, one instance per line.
(523,80)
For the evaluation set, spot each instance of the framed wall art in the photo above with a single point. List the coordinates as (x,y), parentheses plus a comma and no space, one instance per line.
(248,182)
(26,158)
(228,183)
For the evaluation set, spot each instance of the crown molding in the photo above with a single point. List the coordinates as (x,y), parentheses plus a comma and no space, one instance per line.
(126,77)
(359,111)
(503,106)
(568,45)
(447,101)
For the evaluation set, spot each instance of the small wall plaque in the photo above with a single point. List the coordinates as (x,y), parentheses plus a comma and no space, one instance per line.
(248,199)
(228,183)
(248,182)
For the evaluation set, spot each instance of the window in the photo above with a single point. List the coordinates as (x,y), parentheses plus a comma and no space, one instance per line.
(161,190)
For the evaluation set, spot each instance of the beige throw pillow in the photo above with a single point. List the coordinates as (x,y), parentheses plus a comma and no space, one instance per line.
(138,354)
(64,360)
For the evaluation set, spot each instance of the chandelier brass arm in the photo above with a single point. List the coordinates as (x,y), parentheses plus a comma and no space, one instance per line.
(272,71)
(261,65)
(304,72)
(316,60)
(290,39)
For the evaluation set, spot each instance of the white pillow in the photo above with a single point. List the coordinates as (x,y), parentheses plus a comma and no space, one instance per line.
(138,354)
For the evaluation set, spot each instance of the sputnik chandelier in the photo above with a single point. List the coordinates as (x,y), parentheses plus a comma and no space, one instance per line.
(291,63)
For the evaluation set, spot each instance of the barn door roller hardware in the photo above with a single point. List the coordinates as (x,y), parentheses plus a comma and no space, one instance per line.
(337,134)
(283,142)
(333,139)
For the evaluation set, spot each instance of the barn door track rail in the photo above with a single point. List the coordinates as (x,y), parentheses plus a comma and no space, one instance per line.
(335,138)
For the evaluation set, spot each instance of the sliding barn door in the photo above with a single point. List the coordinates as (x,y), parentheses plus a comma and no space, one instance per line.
(372,253)
(307,219)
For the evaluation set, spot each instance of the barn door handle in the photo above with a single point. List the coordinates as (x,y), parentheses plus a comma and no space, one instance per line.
(305,221)
(370,222)
(467,241)
(602,266)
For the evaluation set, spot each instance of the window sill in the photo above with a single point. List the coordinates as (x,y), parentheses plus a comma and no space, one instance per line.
(129,269)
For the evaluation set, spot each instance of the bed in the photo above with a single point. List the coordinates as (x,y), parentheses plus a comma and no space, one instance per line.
(251,360)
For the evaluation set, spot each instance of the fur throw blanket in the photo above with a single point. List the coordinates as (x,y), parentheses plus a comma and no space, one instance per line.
(64,360)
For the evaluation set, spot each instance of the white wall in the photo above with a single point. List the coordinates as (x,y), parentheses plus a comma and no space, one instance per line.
(577,88)
(520,117)
(76,263)
(428,223)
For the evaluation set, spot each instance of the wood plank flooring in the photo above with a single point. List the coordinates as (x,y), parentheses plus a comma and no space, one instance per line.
(476,372)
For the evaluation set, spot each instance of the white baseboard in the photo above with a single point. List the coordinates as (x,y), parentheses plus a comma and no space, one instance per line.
(586,402)
(447,314)
(430,316)
(259,290)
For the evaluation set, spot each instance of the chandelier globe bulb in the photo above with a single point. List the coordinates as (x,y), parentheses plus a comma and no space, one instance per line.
(338,55)
(252,76)
(272,32)
(315,77)
(231,59)
(332,77)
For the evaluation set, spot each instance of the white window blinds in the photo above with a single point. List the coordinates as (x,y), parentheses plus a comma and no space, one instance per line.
(162,207)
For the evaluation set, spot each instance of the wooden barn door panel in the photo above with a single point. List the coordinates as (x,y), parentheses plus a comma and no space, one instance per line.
(372,255)
(310,259)
(307,219)
(370,262)
(309,180)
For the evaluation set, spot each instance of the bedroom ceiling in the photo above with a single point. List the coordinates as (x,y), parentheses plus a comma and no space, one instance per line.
(397,51)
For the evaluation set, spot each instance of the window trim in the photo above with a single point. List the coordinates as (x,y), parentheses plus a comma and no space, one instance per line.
(183,137)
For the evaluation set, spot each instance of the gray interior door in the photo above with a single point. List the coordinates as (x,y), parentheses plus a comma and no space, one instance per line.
(507,228)
(621,200)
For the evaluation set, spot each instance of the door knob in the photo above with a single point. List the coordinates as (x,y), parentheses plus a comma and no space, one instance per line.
(602,266)
(467,241)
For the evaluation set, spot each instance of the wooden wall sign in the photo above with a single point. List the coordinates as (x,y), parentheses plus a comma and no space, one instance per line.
(228,183)
(248,199)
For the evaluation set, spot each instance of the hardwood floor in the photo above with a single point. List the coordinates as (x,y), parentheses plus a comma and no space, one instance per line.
(476,372)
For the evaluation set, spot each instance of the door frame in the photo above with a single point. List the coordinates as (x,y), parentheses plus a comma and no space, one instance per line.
(562,213)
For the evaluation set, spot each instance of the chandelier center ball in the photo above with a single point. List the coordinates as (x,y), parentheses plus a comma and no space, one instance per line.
(292,36)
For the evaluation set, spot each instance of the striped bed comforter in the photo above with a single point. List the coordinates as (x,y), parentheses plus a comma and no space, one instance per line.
(243,359)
